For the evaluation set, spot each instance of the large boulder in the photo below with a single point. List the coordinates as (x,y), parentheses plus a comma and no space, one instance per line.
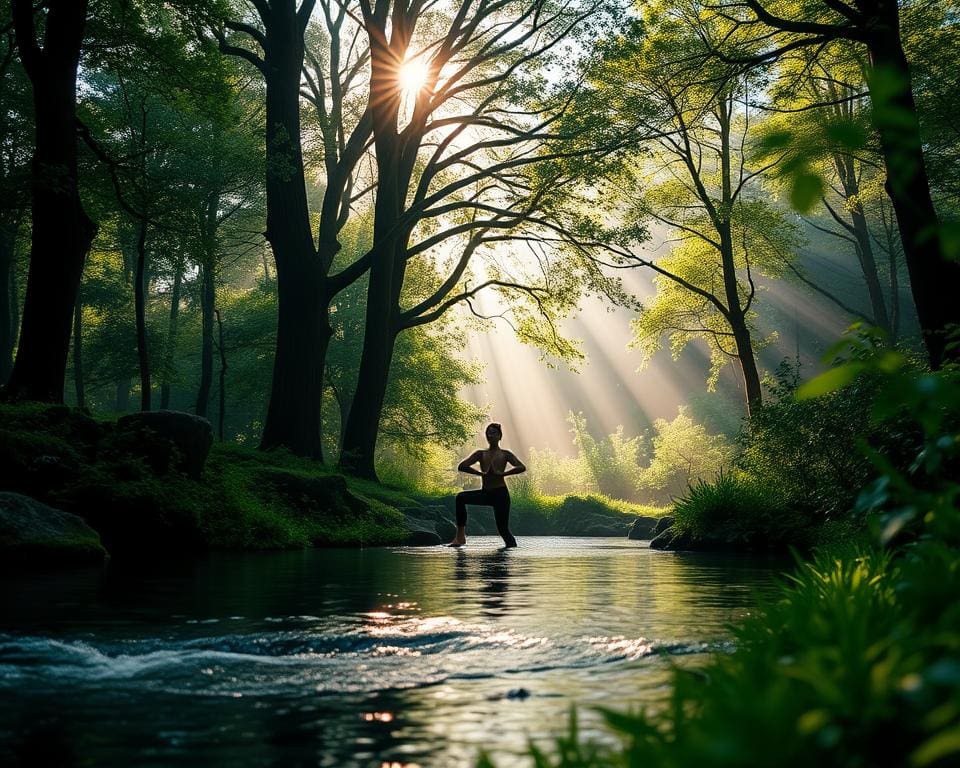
(428,519)
(168,437)
(643,528)
(32,533)
(670,539)
(446,529)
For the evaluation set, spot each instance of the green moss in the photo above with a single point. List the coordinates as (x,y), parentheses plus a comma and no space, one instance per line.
(135,507)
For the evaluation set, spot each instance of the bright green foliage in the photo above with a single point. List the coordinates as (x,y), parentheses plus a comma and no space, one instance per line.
(551,474)
(611,464)
(630,468)
(683,452)
(693,179)
(807,451)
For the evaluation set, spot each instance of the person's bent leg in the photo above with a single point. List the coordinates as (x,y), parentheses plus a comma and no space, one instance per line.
(463,498)
(501,513)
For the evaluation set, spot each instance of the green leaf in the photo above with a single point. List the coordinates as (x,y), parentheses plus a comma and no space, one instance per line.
(775,140)
(831,381)
(950,239)
(941,745)
(806,190)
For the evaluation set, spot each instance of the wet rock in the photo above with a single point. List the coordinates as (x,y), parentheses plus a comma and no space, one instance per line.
(422,538)
(662,524)
(446,529)
(516,694)
(643,528)
(32,533)
(166,438)
(673,540)
(670,539)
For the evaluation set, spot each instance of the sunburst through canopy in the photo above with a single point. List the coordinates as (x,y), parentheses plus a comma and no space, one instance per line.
(413,75)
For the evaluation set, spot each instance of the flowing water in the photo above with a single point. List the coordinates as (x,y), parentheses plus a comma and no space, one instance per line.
(377,657)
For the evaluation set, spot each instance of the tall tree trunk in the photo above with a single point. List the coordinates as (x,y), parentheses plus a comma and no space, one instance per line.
(8,299)
(122,397)
(208,298)
(140,309)
(171,335)
(860,230)
(61,230)
(394,169)
(894,115)
(78,353)
(358,449)
(736,311)
(222,412)
(737,318)
(303,330)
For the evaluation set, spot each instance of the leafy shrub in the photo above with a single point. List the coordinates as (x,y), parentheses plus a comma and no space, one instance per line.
(808,450)
(738,509)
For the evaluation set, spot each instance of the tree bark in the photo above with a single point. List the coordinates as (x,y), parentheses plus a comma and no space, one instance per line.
(78,353)
(932,276)
(293,413)
(140,310)
(61,230)
(395,158)
(8,300)
(861,232)
(736,312)
(222,412)
(171,336)
(208,297)
(358,449)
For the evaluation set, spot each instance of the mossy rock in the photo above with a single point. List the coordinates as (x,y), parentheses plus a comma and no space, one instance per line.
(315,496)
(34,534)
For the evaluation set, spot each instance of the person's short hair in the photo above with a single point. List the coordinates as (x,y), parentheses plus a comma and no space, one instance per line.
(496,426)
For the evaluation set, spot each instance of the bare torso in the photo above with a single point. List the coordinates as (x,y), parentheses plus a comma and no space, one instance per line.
(495,459)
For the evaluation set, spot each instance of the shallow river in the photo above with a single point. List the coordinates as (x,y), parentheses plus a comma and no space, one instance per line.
(377,657)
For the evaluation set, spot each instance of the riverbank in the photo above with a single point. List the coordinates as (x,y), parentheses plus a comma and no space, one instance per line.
(148,493)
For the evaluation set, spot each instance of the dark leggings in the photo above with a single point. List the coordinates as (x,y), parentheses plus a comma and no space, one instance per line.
(499,499)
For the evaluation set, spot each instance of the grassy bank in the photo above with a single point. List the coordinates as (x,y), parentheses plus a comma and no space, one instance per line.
(135,497)
(244,499)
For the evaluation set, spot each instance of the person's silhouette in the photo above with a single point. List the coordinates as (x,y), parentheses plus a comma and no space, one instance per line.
(493,492)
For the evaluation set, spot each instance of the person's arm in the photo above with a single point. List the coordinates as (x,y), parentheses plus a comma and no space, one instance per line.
(517,468)
(466,465)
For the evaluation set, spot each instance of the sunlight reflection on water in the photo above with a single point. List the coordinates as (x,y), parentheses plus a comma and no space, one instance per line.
(371,657)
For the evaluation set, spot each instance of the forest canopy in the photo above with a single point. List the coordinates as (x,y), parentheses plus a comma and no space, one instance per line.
(292,217)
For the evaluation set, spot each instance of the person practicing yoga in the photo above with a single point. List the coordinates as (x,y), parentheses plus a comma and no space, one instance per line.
(493,491)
